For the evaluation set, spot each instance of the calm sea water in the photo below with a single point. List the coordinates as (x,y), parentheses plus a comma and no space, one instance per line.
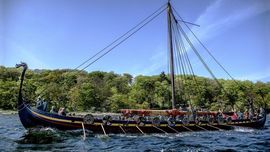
(13,138)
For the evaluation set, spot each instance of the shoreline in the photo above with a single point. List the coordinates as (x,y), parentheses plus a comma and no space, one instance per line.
(8,112)
(14,112)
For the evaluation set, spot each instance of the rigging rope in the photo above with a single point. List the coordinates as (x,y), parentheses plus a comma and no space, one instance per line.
(186,56)
(183,68)
(123,40)
(199,56)
(207,50)
(180,85)
(203,62)
(139,26)
(133,28)
(178,71)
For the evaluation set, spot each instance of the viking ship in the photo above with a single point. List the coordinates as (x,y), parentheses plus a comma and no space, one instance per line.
(144,121)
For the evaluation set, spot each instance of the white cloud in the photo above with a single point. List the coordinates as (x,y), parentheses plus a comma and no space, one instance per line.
(215,19)
(256,75)
(157,61)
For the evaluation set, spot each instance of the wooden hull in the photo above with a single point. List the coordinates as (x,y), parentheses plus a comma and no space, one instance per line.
(31,117)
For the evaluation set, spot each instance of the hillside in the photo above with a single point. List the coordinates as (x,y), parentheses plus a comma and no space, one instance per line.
(109,92)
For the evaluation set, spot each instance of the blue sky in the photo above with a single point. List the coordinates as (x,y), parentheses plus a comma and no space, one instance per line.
(49,34)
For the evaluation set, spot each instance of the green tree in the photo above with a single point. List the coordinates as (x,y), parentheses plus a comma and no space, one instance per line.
(85,97)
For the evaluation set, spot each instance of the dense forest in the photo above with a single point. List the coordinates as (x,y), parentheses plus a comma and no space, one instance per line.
(109,92)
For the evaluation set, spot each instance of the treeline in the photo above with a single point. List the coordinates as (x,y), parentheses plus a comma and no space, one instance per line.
(109,92)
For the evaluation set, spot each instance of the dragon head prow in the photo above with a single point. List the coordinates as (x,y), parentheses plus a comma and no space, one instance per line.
(22,64)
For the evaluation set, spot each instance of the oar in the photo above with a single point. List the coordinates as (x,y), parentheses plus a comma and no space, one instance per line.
(160,129)
(103,130)
(187,128)
(84,135)
(214,127)
(140,129)
(201,127)
(173,129)
(122,129)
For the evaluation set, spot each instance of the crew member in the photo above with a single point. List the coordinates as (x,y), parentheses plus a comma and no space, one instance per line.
(53,110)
(62,111)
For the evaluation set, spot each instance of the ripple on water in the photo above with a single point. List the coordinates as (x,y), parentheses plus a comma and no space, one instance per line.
(242,129)
(240,139)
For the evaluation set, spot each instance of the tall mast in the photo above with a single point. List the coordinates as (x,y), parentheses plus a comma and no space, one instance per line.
(169,9)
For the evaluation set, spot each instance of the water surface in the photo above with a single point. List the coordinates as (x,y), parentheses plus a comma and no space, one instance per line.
(13,135)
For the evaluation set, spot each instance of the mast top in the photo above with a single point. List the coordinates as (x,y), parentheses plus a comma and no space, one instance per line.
(169,3)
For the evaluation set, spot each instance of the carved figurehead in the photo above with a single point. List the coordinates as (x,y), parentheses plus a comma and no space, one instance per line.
(24,65)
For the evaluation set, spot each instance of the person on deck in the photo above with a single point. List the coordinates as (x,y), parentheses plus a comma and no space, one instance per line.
(240,115)
(262,112)
(246,114)
(251,113)
(62,111)
(234,116)
(39,104)
(45,105)
(53,110)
